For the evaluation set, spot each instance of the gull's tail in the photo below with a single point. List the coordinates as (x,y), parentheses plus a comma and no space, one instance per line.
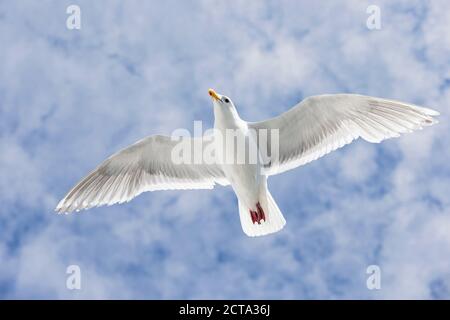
(264,218)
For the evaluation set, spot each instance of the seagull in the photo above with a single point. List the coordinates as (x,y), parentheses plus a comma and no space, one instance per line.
(309,130)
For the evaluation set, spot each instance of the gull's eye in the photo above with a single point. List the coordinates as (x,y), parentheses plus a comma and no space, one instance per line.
(226,100)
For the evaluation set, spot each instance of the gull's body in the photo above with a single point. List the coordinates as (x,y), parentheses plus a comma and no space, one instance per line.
(311,129)
(245,178)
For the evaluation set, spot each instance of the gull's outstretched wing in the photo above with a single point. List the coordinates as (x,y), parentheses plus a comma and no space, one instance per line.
(144,166)
(321,124)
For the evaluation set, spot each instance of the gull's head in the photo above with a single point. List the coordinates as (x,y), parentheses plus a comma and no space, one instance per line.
(219,99)
(223,106)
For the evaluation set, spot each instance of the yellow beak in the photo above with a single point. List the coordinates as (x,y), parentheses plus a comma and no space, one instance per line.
(213,94)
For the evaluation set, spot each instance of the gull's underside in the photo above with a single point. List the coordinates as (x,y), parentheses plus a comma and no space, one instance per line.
(311,129)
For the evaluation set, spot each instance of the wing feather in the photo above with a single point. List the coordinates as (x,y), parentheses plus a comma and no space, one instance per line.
(321,124)
(143,166)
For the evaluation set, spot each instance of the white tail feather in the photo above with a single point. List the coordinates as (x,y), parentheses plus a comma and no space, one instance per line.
(274,218)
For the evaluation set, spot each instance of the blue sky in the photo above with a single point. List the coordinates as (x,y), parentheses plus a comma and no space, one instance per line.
(70,98)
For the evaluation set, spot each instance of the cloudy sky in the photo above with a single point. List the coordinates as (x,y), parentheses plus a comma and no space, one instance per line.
(70,98)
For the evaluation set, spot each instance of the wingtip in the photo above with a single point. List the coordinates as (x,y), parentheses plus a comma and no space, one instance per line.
(432,112)
(59,210)
(62,208)
(59,207)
